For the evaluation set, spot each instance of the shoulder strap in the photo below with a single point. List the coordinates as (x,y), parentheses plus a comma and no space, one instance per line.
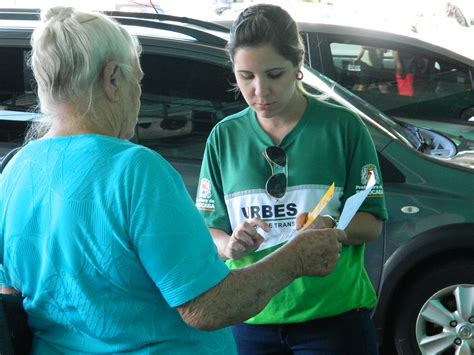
(7,157)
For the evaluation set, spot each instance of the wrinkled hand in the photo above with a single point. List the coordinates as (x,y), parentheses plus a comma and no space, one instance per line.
(245,238)
(318,250)
(320,222)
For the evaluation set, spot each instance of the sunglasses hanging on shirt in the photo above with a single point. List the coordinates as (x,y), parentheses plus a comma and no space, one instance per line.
(277,182)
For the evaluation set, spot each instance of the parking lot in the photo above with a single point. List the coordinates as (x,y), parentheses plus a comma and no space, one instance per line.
(423,261)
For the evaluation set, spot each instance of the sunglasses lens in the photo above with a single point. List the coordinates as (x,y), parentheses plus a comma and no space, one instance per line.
(276,185)
(276,155)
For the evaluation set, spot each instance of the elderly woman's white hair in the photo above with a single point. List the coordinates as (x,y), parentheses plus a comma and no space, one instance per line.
(69,51)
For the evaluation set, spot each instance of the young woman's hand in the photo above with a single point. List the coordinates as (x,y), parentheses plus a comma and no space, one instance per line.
(245,238)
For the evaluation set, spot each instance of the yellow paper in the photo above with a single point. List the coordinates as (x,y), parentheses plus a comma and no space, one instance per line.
(319,207)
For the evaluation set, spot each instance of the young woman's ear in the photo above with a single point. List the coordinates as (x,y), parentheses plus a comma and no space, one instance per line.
(110,80)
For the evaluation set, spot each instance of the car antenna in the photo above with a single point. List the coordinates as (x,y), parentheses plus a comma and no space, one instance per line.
(153,6)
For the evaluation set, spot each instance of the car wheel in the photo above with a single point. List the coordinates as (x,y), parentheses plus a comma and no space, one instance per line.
(436,313)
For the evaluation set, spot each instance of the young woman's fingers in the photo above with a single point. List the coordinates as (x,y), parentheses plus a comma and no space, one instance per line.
(301,220)
(259,223)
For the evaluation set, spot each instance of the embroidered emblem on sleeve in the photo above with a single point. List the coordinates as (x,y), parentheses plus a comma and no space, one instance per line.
(365,172)
(204,201)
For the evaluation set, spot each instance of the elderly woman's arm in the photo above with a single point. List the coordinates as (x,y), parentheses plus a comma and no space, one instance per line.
(245,292)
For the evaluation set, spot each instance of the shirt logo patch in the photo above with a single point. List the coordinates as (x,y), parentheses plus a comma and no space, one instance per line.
(205,188)
(366,170)
(204,201)
(365,173)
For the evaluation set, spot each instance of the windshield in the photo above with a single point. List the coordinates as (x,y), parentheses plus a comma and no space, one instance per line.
(370,114)
(425,141)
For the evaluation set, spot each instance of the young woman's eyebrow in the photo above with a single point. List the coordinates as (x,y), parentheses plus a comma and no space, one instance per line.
(276,68)
(266,71)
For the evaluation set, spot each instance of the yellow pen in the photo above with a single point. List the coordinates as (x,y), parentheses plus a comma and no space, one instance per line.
(319,207)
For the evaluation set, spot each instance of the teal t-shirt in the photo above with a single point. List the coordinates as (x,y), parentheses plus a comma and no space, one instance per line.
(102,239)
(329,144)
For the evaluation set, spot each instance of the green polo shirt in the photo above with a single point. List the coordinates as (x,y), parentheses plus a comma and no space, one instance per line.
(329,144)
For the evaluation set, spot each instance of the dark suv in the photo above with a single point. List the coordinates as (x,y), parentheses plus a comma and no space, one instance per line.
(423,263)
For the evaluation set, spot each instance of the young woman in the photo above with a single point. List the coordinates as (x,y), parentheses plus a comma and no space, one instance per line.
(271,163)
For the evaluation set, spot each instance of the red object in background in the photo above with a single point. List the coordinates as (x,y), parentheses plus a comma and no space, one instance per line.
(405,84)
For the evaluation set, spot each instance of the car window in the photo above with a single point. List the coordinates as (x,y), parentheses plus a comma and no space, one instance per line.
(15,93)
(182,99)
(404,82)
(17,82)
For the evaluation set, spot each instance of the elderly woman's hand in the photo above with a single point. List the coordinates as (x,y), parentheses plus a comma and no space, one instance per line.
(318,250)
(321,222)
(245,238)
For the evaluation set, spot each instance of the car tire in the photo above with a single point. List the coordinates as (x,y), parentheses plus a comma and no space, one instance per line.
(437,289)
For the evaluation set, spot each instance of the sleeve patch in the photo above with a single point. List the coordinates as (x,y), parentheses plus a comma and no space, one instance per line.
(204,200)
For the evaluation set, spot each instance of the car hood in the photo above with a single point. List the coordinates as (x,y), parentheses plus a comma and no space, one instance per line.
(449,127)
(465,152)
(461,136)
(464,159)
(451,149)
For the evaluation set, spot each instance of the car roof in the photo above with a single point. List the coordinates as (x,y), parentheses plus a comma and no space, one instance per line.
(385,35)
(140,24)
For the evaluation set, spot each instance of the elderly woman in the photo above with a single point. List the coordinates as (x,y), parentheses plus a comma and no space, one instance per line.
(99,234)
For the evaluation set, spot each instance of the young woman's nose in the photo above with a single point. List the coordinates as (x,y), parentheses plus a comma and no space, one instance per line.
(261,86)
